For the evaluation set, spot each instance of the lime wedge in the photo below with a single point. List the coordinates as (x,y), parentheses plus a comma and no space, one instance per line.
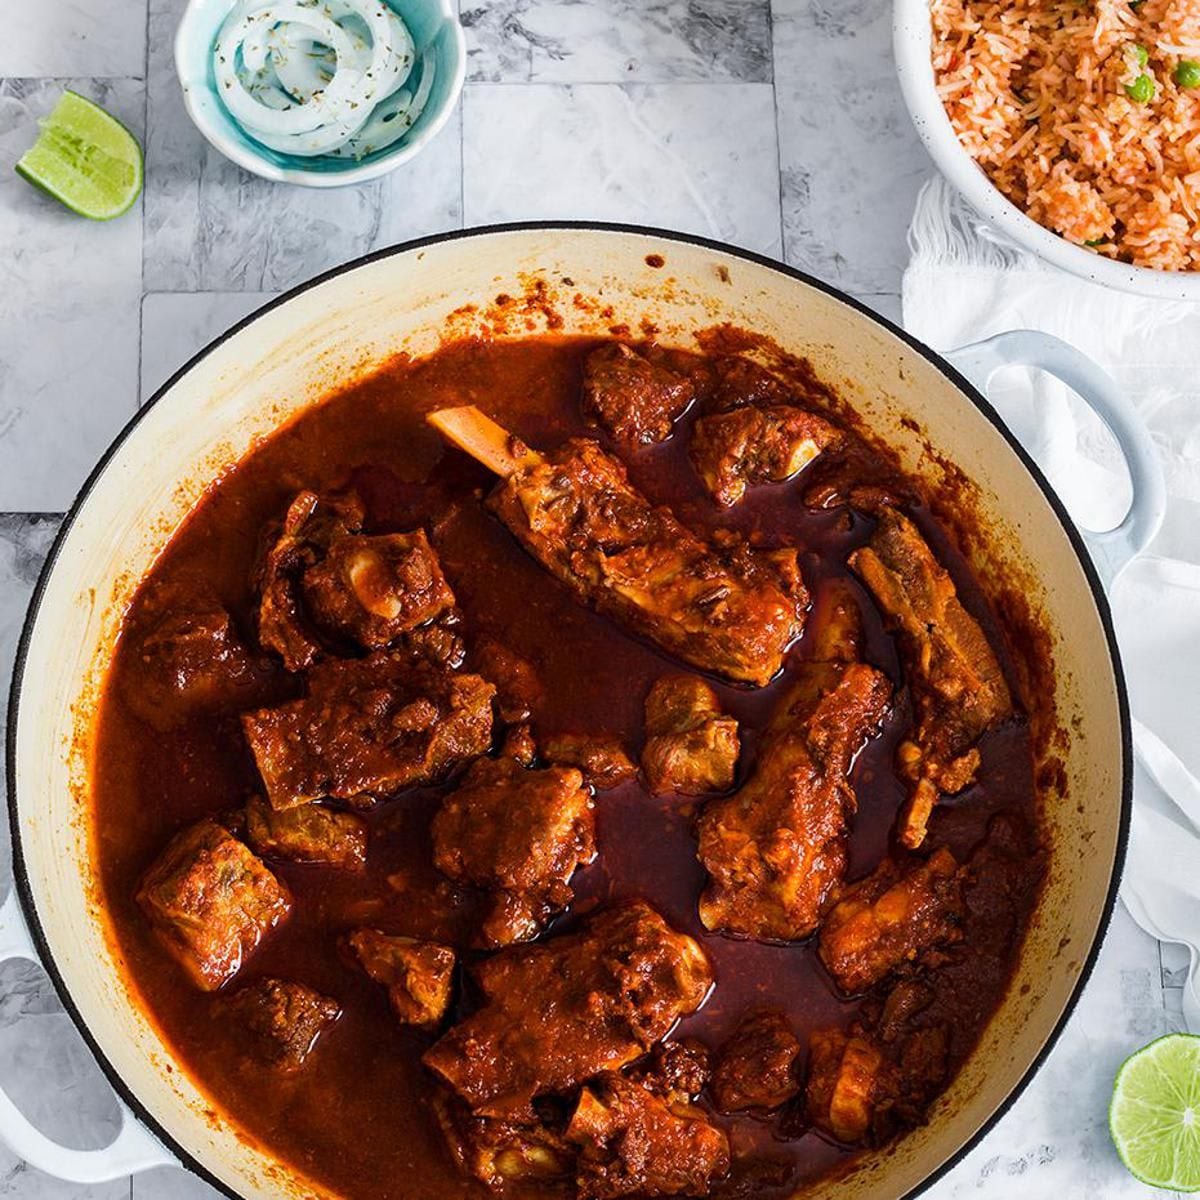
(1154,1117)
(86,159)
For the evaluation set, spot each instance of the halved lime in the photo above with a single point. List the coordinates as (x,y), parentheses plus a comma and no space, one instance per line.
(1154,1116)
(85,158)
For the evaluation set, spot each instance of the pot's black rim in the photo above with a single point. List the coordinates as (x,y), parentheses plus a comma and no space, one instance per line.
(968,390)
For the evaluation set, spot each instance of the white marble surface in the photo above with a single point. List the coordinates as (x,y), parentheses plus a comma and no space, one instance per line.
(177,324)
(773,124)
(612,41)
(693,156)
(68,312)
(850,161)
(72,37)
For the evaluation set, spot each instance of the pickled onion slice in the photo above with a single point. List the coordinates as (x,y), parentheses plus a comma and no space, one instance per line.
(348,87)
(314,77)
(393,117)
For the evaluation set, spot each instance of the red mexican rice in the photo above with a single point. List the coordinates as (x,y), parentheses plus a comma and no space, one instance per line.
(1084,113)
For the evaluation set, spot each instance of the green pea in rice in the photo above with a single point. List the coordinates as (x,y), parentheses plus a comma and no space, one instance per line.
(1045,96)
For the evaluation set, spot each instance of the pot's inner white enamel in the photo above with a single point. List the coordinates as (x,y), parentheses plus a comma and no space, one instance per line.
(287,358)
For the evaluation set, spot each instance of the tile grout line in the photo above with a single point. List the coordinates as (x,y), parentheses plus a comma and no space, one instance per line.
(142,281)
(778,131)
(1162,976)
(633,83)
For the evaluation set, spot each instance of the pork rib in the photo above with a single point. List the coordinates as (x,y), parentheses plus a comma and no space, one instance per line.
(717,604)
(957,684)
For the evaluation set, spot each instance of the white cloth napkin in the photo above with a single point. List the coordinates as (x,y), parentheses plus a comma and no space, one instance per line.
(966,281)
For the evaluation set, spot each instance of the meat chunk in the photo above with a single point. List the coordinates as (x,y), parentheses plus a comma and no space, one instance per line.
(187,657)
(558,1013)
(849,1079)
(923,1067)
(745,446)
(1005,870)
(281,1020)
(742,383)
(519,745)
(775,850)
(865,1085)
(916,1043)
(373,589)
(891,916)
(957,685)
(691,746)
(518,689)
(600,756)
(439,644)
(419,976)
(634,1143)
(756,429)
(719,606)
(308,527)
(675,1070)
(372,725)
(520,834)
(502,1153)
(637,401)
(322,578)
(211,902)
(904,1001)
(310,833)
(759,1066)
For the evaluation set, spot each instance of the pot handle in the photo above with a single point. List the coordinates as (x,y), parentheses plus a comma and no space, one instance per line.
(135,1147)
(1113,549)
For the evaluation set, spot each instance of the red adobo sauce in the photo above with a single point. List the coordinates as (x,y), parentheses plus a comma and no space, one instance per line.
(356,1117)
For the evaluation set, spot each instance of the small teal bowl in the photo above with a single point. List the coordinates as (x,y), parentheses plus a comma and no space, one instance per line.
(432,23)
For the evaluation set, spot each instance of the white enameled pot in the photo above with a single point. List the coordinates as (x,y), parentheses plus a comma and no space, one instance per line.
(578,279)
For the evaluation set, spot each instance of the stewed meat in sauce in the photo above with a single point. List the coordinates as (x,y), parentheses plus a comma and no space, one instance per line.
(691,746)
(890,917)
(418,975)
(717,603)
(957,684)
(281,1021)
(519,833)
(760,1066)
(775,850)
(367,728)
(518,776)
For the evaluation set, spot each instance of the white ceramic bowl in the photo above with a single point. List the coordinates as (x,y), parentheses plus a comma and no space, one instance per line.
(433,25)
(911,33)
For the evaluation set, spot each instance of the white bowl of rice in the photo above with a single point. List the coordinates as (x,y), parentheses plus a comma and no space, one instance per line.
(1073,126)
